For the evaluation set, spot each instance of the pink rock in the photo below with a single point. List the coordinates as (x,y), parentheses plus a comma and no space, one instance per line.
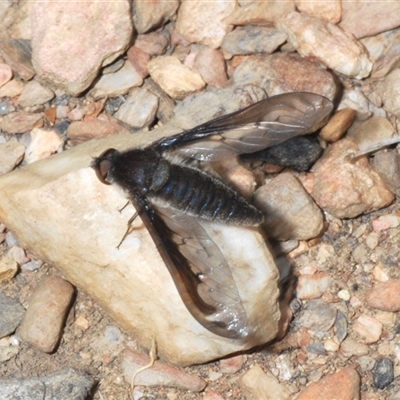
(211,65)
(72,41)
(343,385)
(139,59)
(385,296)
(369,328)
(233,364)
(5,73)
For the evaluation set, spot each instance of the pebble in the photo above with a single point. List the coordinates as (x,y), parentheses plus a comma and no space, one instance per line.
(212,395)
(81,131)
(258,385)
(11,154)
(376,17)
(329,11)
(385,296)
(20,122)
(12,89)
(44,319)
(232,364)
(139,59)
(386,163)
(210,63)
(282,72)
(318,316)
(312,286)
(366,363)
(343,385)
(101,45)
(383,373)
(17,53)
(372,240)
(18,255)
(11,313)
(283,196)
(340,326)
(67,383)
(148,15)
(139,109)
(5,74)
(205,22)
(175,78)
(351,347)
(321,40)
(260,12)
(253,39)
(7,351)
(8,268)
(32,265)
(34,94)
(117,83)
(338,125)
(159,374)
(153,43)
(353,189)
(369,328)
(44,142)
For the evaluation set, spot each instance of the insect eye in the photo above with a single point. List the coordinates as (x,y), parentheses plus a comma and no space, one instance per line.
(102,165)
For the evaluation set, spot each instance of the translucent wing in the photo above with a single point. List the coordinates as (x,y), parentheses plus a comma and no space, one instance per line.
(200,272)
(263,124)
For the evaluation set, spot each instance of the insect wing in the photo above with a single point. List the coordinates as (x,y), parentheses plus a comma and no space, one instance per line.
(200,272)
(261,125)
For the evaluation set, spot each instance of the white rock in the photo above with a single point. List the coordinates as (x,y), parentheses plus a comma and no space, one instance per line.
(369,328)
(11,154)
(63,215)
(43,143)
(328,43)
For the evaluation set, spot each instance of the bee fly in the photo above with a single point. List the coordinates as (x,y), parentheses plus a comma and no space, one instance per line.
(173,197)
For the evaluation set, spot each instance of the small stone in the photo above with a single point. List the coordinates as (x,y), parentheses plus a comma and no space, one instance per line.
(318,316)
(313,286)
(176,79)
(17,53)
(44,319)
(340,326)
(282,72)
(344,295)
(11,154)
(387,89)
(5,74)
(386,163)
(43,143)
(385,296)
(338,125)
(11,313)
(20,122)
(159,374)
(67,383)
(147,15)
(233,364)
(34,94)
(351,347)
(383,373)
(344,188)
(258,385)
(7,352)
(329,11)
(211,65)
(369,328)
(120,82)
(8,268)
(372,240)
(331,345)
(81,131)
(153,43)
(139,59)
(90,44)
(12,88)
(289,211)
(212,395)
(139,109)
(18,255)
(204,22)
(322,40)
(253,39)
(82,322)
(32,265)
(343,385)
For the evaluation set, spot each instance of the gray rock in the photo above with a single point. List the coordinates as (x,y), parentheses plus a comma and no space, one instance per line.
(383,373)
(11,313)
(65,384)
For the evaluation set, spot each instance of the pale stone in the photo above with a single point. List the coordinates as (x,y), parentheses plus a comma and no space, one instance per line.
(11,154)
(90,40)
(12,88)
(8,268)
(258,385)
(369,328)
(34,94)
(330,11)
(176,79)
(388,90)
(328,43)
(80,227)
(43,143)
(114,84)
(313,286)
(338,125)
(5,74)
(204,22)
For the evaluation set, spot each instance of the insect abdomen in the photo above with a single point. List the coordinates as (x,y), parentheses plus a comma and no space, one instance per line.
(199,194)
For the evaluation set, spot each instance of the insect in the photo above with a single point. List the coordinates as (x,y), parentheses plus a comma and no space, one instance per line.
(174,197)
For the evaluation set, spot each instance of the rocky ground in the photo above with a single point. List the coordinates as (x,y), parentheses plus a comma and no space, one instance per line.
(70,71)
